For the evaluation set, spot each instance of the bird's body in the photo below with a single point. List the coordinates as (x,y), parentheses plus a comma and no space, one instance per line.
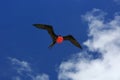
(57,38)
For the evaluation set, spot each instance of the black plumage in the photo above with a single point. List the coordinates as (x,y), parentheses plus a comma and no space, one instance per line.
(50,30)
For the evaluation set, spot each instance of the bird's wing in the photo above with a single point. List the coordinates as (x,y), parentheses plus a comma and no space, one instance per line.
(72,40)
(48,28)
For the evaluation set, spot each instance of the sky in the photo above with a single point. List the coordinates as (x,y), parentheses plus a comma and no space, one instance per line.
(24,49)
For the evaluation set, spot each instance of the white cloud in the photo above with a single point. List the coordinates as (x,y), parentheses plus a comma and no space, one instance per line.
(24,70)
(104,37)
(42,77)
(20,66)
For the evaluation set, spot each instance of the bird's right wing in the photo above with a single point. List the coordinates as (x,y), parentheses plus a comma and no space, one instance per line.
(48,28)
(72,40)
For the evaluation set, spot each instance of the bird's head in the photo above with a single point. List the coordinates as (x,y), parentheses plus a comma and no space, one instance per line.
(59,39)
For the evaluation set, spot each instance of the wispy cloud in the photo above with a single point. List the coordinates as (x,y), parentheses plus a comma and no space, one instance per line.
(16,78)
(24,71)
(117,1)
(20,66)
(104,37)
(42,77)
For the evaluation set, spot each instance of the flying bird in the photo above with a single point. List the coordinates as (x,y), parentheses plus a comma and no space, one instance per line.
(57,38)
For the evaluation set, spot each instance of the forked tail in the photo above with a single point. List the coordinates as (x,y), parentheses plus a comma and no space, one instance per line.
(52,44)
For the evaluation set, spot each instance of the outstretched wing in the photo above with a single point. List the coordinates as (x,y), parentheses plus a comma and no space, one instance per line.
(72,40)
(48,28)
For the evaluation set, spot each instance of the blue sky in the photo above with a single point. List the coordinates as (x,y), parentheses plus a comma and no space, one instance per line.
(20,42)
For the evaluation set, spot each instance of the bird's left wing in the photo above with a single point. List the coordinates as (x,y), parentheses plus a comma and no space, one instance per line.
(48,28)
(72,40)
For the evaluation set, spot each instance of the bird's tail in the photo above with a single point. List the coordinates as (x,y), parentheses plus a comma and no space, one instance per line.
(52,44)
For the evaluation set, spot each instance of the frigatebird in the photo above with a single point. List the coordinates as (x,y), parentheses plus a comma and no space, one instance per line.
(57,38)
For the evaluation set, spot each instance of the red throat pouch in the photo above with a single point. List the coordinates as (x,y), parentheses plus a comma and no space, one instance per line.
(59,39)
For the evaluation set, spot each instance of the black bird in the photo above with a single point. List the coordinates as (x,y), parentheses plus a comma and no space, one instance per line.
(57,38)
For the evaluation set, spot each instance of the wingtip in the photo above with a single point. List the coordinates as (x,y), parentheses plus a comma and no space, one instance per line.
(81,48)
(34,24)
